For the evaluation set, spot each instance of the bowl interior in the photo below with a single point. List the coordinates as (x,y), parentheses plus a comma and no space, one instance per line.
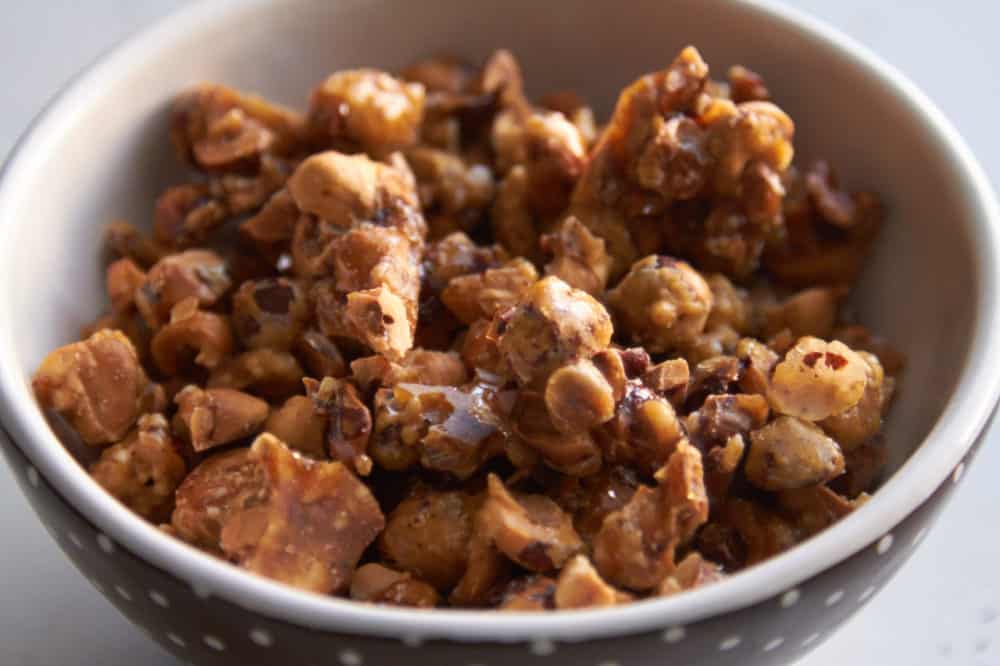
(109,156)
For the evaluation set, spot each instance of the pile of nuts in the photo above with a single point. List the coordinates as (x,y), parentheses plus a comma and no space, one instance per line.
(434,343)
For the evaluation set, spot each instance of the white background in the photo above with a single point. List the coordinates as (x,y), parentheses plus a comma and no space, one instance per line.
(942,609)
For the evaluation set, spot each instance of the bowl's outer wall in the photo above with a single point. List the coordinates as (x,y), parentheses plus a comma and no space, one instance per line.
(209,631)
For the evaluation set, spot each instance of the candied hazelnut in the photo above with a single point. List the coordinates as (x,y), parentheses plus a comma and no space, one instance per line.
(552,325)
(481,295)
(186,215)
(313,528)
(691,572)
(661,303)
(97,385)
(575,453)
(301,425)
(275,222)
(722,416)
(644,431)
(265,372)
(428,534)
(220,486)
(791,453)
(199,274)
(191,334)
(124,277)
(579,258)
(669,379)
(269,313)
(320,356)
(747,85)
(213,417)
(809,312)
(579,397)
(856,425)
(367,108)
(349,422)
(128,242)
(529,529)
(636,544)
(143,470)
(758,361)
(817,379)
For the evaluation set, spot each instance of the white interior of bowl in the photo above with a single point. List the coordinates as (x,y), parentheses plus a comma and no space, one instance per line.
(101,152)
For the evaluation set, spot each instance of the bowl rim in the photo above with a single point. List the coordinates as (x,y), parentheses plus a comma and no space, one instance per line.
(962,420)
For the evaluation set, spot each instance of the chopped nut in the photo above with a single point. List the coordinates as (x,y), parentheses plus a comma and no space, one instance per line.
(791,453)
(580,586)
(579,258)
(317,521)
(270,374)
(143,470)
(381,585)
(722,416)
(644,431)
(669,379)
(635,546)
(217,416)
(578,397)
(531,593)
(97,385)
(186,215)
(320,355)
(691,572)
(809,312)
(574,454)
(423,366)
(349,423)
(529,529)
(124,277)
(481,295)
(222,485)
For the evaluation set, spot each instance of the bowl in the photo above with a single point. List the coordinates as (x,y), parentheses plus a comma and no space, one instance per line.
(99,152)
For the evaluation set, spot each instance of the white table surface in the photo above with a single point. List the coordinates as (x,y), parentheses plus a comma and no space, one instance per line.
(942,609)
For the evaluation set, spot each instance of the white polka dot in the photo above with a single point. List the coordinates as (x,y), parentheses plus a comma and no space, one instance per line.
(920,536)
(956,476)
(159,599)
(351,658)
(75,540)
(674,635)
(774,644)
(884,544)
(869,591)
(262,637)
(214,642)
(105,544)
(810,639)
(176,640)
(542,647)
(200,591)
(412,640)
(477,663)
(790,598)
(32,476)
(123,593)
(834,598)
(610,663)
(730,643)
